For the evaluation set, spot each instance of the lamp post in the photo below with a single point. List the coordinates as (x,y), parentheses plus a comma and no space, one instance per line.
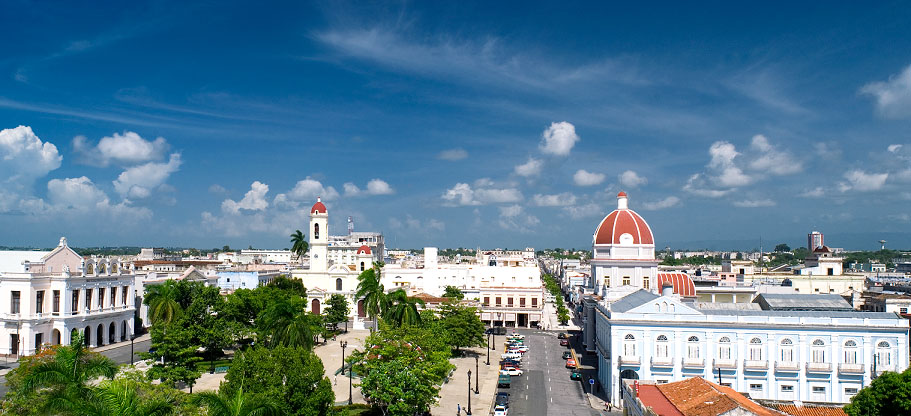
(488,349)
(132,338)
(476,372)
(469,394)
(344,344)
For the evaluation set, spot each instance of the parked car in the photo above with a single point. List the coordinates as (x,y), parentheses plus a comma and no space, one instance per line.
(562,335)
(511,371)
(570,363)
(506,361)
(517,336)
(513,355)
(567,354)
(500,411)
(504,381)
(575,375)
(519,348)
(497,330)
(564,342)
(502,399)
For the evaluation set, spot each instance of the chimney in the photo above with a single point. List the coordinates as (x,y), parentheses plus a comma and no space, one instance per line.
(667,289)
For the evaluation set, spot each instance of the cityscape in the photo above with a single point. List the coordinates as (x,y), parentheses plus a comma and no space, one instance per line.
(470,208)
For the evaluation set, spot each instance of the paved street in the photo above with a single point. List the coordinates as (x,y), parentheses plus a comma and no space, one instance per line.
(545,387)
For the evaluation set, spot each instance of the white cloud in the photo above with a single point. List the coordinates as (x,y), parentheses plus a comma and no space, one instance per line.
(828,150)
(558,139)
(584,211)
(483,194)
(217,189)
(754,203)
(23,159)
(374,187)
(727,174)
(893,148)
(414,224)
(662,204)
(124,149)
(77,193)
(817,192)
(772,160)
(697,185)
(306,190)
(556,200)
(453,154)
(254,200)
(583,177)
(859,180)
(893,97)
(514,217)
(138,181)
(631,179)
(530,168)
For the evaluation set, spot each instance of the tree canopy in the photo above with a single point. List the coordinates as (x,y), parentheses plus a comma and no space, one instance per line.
(889,394)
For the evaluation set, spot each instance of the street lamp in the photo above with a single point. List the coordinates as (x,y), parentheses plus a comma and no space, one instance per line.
(488,348)
(132,338)
(469,393)
(344,344)
(476,372)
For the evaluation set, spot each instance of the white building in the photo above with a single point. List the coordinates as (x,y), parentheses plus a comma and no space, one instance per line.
(49,295)
(229,281)
(811,356)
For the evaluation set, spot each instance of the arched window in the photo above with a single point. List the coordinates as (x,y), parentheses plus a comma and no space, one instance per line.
(756,349)
(101,268)
(692,348)
(787,350)
(818,351)
(338,284)
(316,231)
(883,354)
(362,266)
(661,347)
(629,345)
(90,268)
(850,352)
(724,348)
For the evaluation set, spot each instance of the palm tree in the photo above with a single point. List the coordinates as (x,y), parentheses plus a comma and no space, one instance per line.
(299,245)
(113,398)
(372,292)
(162,301)
(287,322)
(403,310)
(69,371)
(239,405)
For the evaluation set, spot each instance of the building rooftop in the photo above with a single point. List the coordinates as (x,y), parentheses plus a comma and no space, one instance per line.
(810,410)
(802,302)
(11,260)
(699,397)
(633,300)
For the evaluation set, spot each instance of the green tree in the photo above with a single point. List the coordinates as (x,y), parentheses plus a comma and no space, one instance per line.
(299,244)
(287,322)
(462,326)
(118,397)
(372,292)
(239,404)
(174,354)
(163,302)
(889,394)
(781,248)
(292,287)
(453,292)
(338,309)
(402,309)
(64,371)
(291,377)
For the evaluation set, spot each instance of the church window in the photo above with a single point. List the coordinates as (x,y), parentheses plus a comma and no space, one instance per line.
(316,231)
(362,266)
(338,284)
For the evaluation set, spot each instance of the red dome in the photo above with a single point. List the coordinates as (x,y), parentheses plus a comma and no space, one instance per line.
(621,194)
(623,221)
(683,284)
(364,250)
(318,207)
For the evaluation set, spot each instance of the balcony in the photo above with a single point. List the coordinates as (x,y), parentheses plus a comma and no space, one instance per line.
(725,363)
(845,368)
(692,362)
(880,369)
(755,365)
(819,367)
(787,366)
(630,360)
(662,362)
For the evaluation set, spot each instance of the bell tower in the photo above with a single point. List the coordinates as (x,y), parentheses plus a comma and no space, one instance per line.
(319,237)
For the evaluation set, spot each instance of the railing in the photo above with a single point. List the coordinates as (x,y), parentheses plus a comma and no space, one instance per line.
(662,362)
(787,366)
(725,363)
(692,362)
(819,367)
(756,364)
(845,368)
(630,360)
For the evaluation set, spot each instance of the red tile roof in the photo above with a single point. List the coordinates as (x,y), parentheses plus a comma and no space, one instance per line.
(811,410)
(699,397)
(683,284)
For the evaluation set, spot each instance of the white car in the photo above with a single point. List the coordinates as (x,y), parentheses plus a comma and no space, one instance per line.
(513,355)
(517,336)
(511,372)
(519,348)
(499,411)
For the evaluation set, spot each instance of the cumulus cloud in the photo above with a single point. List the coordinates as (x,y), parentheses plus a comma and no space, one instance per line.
(817,192)
(305,190)
(558,139)
(124,149)
(530,168)
(555,200)
(139,181)
(80,195)
(892,97)
(754,203)
(584,211)
(771,160)
(662,204)
(414,224)
(583,177)
(254,200)
(514,218)
(894,148)
(374,187)
(859,180)
(23,159)
(631,179)
(217,189)
(453,154)
(727,174)
(484,193)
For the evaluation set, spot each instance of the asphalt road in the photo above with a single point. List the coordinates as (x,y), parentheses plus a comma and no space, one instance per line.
(120,355)
(545,387)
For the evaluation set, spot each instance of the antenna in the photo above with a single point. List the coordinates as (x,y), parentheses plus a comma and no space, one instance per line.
(350,225)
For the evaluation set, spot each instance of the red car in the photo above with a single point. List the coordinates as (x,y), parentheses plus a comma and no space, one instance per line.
(564,342)
(570,363)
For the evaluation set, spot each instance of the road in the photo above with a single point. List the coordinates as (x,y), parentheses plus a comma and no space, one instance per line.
(545,387)
(120,354)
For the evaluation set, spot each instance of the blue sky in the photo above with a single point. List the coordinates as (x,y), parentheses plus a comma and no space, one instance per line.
(444,123)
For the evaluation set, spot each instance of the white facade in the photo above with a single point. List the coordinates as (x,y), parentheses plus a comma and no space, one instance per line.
(624,251)
(810,356)
(45,300)
(229,281)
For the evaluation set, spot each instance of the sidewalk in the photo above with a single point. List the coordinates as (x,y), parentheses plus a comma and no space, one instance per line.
(331,355)
(455,392)
(121,343)
(551,322)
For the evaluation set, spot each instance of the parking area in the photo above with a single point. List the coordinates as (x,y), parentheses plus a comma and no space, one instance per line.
(545,387)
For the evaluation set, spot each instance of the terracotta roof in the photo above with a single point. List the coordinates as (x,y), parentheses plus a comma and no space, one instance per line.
(364,250)
(683,284)
(318,207)
(652,397)
(623,221)
(699,397)
(621,194)
(811,410)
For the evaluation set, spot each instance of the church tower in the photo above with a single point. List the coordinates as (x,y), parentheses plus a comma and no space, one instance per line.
(319,238)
